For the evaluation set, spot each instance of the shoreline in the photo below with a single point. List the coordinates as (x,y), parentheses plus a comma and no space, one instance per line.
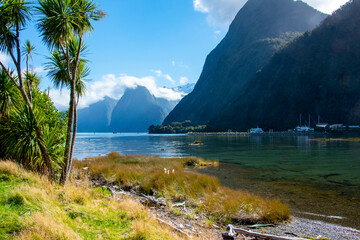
(305,201)
(201,227)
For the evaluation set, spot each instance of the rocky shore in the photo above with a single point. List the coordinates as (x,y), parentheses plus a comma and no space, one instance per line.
(191,225)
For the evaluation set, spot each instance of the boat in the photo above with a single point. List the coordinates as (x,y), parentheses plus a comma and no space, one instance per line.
(256,130)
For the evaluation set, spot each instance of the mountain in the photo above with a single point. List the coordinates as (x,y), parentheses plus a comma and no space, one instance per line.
(136,111)
(317,74)
(187,88)
(260,29)
(96,117)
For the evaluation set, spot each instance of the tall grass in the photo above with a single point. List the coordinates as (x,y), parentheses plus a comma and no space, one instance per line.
(169,177)
(33,208)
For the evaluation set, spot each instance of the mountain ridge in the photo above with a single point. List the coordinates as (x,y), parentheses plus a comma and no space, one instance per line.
(317,74)
(253,37)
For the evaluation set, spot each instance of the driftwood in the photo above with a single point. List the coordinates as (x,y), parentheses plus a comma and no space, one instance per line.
(153,200)
(260,226)
(175,228)
(230,229)
(179,204)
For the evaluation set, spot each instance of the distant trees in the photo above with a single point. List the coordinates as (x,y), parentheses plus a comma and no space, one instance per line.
(177,127)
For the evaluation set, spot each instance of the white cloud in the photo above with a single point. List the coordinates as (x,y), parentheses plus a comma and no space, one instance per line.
(184,80)
(326,6)
(4,58)
(159,73)
(169,78)
(220,13)
(114,87)
(173,63)
(39,70)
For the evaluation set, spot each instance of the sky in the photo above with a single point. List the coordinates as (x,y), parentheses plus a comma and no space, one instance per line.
(159,44)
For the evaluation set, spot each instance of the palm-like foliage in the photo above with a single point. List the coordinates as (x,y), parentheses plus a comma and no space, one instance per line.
(14,15)
(65,18)
(8,94)
(57,68)
(62,21)
(19,132)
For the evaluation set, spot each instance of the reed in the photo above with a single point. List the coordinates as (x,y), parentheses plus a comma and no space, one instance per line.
(171,178)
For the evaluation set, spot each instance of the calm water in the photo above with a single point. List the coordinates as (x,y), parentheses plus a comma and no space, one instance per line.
(313,177)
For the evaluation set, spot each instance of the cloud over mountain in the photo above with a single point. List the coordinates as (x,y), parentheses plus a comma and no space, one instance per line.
(114,87)
(222,12)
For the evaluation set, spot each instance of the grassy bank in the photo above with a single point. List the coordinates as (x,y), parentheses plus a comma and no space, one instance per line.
(169,178)
(32,208)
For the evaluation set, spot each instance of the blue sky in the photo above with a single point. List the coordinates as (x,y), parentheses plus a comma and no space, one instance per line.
(159,43)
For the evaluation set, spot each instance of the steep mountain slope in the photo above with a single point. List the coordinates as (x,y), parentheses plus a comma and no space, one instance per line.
(136,111)
(260,28)
(96,117)
(318,74)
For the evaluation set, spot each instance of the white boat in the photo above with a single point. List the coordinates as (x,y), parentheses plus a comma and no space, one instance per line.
(256,130)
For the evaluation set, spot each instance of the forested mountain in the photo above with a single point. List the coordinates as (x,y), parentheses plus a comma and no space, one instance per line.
(317,74)
(260,28)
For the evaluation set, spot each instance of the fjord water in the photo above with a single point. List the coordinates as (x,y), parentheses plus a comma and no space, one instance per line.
(318,179)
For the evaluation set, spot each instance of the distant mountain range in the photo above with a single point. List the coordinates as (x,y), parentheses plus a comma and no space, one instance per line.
(136,110)
(261,28)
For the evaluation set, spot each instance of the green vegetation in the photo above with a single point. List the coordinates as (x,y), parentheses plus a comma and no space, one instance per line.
(32,131)
(168,178)
(177,127)
(32,208)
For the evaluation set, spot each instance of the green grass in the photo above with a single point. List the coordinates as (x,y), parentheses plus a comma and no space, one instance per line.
(32,208)
(167,177)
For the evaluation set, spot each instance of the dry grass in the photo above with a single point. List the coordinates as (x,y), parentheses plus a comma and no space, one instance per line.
(32,208)
(335,140)
(169,178)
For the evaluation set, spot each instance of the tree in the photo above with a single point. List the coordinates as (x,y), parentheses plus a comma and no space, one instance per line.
(14,15)
(62,20)
(27,50)
(57,68)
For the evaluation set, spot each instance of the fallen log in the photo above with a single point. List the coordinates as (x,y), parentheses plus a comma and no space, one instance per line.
(230,229)
(153,200)
(260,226)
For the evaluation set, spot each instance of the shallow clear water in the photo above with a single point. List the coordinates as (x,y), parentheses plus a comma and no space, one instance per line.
(330,170)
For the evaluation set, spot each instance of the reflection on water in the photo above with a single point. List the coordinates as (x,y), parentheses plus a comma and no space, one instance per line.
(333,166)
(293,158)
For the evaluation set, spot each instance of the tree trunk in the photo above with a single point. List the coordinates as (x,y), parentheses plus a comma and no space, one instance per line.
(74,136)
(69,135)
(72,112)
(43,149)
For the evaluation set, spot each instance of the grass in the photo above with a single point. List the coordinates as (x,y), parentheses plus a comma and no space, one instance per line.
(33,208)
(335,139)
(169,178)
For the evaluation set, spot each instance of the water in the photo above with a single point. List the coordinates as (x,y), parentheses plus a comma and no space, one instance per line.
(319,180)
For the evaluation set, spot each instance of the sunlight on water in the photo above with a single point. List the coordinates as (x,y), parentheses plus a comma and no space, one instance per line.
(311,176)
